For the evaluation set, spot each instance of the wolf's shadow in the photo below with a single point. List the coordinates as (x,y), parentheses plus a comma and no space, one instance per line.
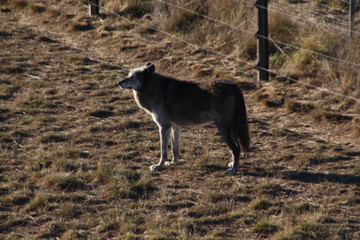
(307,177)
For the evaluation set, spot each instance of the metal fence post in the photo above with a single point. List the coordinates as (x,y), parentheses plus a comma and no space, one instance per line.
(263,40)
(94,7)
(351,16)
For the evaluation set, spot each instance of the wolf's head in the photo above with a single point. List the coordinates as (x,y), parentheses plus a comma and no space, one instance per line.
(138,77)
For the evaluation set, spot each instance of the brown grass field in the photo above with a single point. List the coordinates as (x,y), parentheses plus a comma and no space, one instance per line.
(75,149)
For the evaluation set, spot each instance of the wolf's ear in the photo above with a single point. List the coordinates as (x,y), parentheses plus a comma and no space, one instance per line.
(150,68)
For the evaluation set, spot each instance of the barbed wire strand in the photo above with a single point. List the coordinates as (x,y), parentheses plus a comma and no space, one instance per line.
(300,9)
(302,19)
(252,34)
(310,51)
(310,85)
(344,1)
(207,17)
(330,7)
(225,55)
(322,15)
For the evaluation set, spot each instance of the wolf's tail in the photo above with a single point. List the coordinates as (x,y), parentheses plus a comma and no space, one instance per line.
(240,123)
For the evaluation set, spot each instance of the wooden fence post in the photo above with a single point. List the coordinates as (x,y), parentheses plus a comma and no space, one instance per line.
(263,40)
(94,7)
(351,16)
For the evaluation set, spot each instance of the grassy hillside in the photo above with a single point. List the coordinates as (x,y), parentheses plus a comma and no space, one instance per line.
(75,150)
(319,26)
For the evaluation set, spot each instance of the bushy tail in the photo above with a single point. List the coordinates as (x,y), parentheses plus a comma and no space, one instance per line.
(240,123)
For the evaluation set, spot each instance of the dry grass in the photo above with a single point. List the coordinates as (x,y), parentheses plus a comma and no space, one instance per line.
(134,8)
(75,150)
(293,106)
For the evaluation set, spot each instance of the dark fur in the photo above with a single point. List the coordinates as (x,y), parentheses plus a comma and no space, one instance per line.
(174,103)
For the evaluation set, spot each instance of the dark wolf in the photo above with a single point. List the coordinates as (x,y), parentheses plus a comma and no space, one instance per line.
(174,103)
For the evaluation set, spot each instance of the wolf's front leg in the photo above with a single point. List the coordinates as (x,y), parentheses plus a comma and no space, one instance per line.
(164,143)
(175,136)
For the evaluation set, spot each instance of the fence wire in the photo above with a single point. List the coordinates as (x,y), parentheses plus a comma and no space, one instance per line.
(251,65)
(252,34)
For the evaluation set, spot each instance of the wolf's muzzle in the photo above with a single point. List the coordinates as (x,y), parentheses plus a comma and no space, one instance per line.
(125,83)
(121,82)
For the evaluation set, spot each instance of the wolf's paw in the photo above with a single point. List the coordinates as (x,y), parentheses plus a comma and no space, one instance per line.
(230,171)
(156,167)
(172,163)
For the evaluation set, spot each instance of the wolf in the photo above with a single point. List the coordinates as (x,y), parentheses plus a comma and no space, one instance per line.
(174,103)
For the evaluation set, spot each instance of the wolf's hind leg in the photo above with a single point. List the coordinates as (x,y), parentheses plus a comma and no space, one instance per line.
(164,143)
(175,137)
(227,136)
